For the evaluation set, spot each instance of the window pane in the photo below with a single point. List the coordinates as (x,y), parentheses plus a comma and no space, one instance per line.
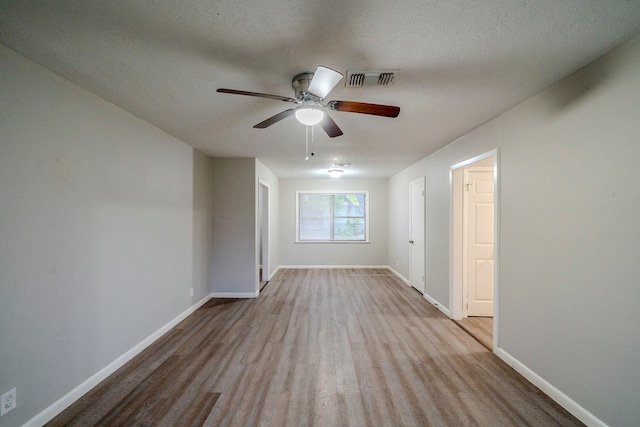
(332,217)
(348,229)
(349,205)
(315,217)
(315,229)
(314,205)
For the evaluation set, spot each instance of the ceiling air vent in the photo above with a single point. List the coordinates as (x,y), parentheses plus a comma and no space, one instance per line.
(370,78)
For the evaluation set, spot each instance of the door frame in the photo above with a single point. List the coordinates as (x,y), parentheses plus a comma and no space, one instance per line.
(456,260)
(264,230)
(421,180)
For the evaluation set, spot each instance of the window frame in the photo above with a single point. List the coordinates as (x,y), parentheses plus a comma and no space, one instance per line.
(334,193)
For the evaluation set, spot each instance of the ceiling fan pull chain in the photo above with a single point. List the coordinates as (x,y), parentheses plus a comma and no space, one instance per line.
(306,135)
(312,152)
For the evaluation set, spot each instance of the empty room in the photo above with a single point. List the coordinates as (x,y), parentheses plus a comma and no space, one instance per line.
(298,213)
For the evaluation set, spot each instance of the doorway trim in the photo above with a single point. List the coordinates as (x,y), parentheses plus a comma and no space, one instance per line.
(264,230)
(423,285)
(456,173)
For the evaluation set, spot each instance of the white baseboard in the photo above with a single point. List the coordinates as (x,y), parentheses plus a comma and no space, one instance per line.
(274,272)
(333,266)
(437,305)
(235,294)
(75,394)
(400,276)
(565,401)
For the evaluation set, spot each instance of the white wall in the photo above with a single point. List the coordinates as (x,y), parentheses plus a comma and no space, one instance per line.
(569,233)
(101,217)
(373,253)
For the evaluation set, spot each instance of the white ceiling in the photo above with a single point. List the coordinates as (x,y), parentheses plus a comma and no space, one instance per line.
(461,62)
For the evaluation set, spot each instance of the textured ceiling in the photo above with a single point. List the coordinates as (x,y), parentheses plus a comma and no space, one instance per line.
(461,62)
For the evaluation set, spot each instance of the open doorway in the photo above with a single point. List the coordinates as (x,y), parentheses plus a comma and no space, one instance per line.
(474,262)
(417,235)
(263,223)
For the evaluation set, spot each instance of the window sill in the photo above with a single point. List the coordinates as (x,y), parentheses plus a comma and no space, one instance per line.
(340,242)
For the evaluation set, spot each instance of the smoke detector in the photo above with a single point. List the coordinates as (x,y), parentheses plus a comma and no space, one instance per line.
(370,78)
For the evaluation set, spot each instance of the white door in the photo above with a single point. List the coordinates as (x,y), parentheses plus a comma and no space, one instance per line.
(479,260)
(416,235)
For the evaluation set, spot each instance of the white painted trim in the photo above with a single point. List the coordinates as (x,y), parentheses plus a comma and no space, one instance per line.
(565,401)
(496,248)
(455,242)
(274,272)
(437,305)
(400,276)
(266,265)
(235,294)
(422,180)
(332,242)
(65,401)
(429,298)
(334,266)
(475,159)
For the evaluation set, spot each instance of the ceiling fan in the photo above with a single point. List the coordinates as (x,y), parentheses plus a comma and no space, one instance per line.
(310,90)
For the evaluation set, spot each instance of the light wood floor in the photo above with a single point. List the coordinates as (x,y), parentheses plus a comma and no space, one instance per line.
(317,347)
(481,328)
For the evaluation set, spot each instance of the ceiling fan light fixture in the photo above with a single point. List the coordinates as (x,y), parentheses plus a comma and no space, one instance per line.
(324,79)
(309,116)
(335,173)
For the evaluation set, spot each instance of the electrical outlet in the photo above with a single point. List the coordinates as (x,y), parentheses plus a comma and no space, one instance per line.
(8,401)
(192,291)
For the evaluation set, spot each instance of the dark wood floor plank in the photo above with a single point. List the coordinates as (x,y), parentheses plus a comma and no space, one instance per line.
(318,347)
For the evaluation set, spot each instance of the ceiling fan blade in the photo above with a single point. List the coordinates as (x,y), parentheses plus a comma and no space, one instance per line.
(330,127)
(363,108)
(261,95)
(275,119)
(324,79)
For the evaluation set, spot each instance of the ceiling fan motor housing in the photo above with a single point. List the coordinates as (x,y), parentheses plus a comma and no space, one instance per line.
(300,84)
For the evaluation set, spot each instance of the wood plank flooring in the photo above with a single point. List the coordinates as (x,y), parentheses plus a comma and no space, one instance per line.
(481,328)
(324,347)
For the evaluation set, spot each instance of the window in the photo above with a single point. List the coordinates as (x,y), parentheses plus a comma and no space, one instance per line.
(332,217)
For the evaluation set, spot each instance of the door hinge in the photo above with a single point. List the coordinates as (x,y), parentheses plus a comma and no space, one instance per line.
(468,186)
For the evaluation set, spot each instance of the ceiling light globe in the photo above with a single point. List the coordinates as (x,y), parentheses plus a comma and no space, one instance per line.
(309,116)
(335,173)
